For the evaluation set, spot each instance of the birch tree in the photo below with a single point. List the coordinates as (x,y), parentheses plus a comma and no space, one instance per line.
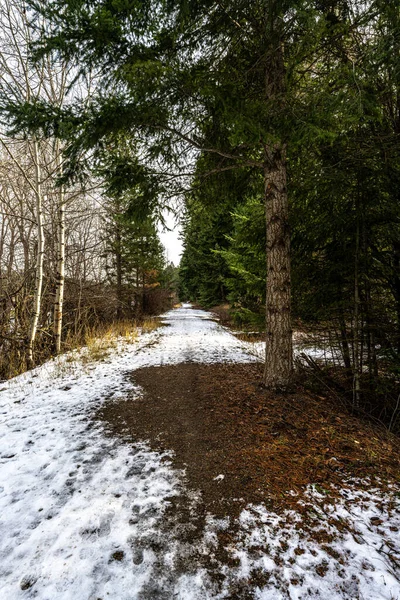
(39,256)
(24,82)
(60,273)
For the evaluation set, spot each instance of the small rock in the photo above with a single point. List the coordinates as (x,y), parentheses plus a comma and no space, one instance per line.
(27,582)
(137,556)
(118,556)
(358,538)
(135,470)
(133,520)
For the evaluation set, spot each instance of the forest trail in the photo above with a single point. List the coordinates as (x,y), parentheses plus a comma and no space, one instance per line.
(113,486)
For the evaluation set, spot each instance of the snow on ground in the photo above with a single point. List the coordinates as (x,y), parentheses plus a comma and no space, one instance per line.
(350,550)
(82,514)
(316,352)
(71,499)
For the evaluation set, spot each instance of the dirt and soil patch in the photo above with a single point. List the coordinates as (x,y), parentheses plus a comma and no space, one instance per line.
(241,444)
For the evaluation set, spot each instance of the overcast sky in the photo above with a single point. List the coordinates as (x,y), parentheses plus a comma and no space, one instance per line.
(172,244)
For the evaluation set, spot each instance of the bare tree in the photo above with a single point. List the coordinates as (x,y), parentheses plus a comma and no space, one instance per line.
(24,81)
(60,277)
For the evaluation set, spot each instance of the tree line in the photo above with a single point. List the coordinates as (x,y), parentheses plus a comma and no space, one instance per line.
(72,257)
(344,216)
(277,121)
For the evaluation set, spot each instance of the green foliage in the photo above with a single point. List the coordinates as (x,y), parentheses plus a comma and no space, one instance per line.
(135,258)
(217,85)
(245,259)
(207,223)
(136,245)
(202,269)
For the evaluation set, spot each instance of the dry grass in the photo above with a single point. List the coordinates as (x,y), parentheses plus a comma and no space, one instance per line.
(250,336)
(223,314)
(101,339)
(12,363)
(98,348)
(150,325)
(98,340)
(127,330)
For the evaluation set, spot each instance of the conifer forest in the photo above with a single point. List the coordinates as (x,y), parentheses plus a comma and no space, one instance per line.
(229,426)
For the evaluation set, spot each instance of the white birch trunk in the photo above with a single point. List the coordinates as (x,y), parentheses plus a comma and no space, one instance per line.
(60,274)
(40,255)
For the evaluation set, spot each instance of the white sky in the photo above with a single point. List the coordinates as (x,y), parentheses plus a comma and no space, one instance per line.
(170,239)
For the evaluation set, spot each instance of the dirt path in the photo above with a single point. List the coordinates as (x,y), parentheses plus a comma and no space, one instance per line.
(184,408)
(240,446)
(166,472)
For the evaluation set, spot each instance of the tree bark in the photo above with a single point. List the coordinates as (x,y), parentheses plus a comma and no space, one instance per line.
(60,274)
(279,347)
(118,265)
(40,255)
(357,348)
(395,285)
(344,342)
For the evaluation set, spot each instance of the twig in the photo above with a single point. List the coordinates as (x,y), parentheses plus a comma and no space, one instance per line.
(394,412)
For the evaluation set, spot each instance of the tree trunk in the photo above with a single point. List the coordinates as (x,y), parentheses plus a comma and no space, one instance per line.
(118,263)
(344,342)
(11,255)
(39,258)
(60,275)
(396,288)
(357,348)
(279,348)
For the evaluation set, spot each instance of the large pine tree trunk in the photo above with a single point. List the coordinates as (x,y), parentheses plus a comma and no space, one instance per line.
(279,348)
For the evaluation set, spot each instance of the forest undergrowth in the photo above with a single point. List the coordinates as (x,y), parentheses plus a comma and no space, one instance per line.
(97,338)
(269,446)
(320,369)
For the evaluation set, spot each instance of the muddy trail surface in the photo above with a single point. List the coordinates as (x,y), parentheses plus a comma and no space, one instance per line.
(166,471)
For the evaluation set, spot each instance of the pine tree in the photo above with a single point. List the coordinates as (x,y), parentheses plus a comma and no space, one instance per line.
(166,71)
(135,258)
